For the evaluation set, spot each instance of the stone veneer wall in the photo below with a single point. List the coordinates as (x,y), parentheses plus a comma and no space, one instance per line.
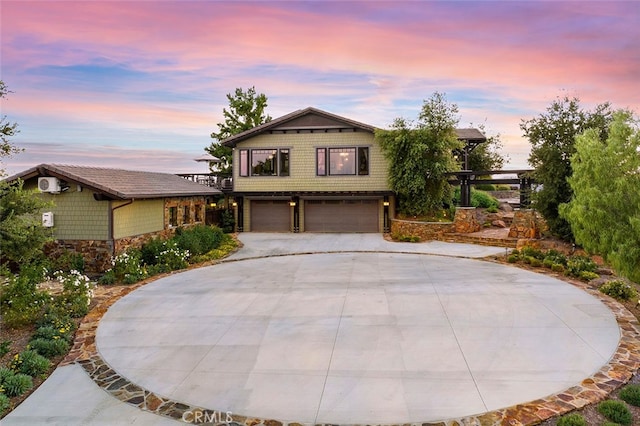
(423,230)
(466,221)
(96,253)
(526,224)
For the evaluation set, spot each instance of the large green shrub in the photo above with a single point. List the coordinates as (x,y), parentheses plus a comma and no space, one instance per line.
(483,200)
(30,362)
(23,235)
(577,264)
(17,384)
(151,250)
(227,221)
(631,394)
(619,290)
(479,199)
(21,302)
(485,187)
(199,239)
(555,257)
(49,348)
(615,411)
(67,261)
(573,419)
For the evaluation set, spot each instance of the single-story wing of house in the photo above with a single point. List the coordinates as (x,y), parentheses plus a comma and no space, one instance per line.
(100,212)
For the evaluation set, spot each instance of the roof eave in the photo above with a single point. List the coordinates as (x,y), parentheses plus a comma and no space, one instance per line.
(232,141)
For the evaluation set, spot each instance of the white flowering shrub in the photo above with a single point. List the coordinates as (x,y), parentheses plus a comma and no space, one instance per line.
(172,256)
(126,267)
(21,302)
(77,291)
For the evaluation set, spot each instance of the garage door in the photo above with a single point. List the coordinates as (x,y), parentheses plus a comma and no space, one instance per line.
(341,216)
(270,216)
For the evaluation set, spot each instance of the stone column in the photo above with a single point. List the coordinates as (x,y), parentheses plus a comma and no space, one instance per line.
(465,220)
(525,224)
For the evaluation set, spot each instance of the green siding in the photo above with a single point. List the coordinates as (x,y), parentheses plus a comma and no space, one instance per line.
(139,217)
(77,216)
(303,163)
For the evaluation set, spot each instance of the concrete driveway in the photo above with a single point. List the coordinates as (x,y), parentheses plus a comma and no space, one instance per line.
(361,331)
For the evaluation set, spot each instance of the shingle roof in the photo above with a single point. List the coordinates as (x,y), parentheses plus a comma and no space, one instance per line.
(470,134)
(278,123)
(120,184)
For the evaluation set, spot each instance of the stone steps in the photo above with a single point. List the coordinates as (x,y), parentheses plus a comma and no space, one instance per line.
(480,240)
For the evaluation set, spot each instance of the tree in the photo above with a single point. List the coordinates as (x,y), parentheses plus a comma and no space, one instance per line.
(552,136)
(6,131)
(487,156)
(420,155)
(22,235)
(246,111)
(605,210)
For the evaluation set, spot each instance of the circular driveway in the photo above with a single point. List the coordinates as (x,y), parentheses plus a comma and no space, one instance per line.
(357,337)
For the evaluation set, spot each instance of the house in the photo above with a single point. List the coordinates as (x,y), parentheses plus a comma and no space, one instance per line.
(100,212)
(313,171)
(310,171)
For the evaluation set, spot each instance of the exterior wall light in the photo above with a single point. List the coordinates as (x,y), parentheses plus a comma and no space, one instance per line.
(292,203)
(234,204)
(385,203)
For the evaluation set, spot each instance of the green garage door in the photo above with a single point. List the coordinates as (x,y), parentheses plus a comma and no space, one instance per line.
(341,216)
(270,216)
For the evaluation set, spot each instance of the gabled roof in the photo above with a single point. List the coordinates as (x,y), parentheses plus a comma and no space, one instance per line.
(120,184)
(317,120)
(303,119)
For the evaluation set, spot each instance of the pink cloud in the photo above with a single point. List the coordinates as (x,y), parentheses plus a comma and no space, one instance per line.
(517,55)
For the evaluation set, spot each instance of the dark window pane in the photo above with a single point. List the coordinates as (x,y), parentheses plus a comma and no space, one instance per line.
(284,162)
(321,156)
(342,161)
(363,161)
(173,216)
(185,214)
(264,162)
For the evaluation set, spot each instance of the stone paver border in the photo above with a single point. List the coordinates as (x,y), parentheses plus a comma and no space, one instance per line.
(619,370)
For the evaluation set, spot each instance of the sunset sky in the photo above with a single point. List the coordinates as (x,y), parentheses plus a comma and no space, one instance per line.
(142,84)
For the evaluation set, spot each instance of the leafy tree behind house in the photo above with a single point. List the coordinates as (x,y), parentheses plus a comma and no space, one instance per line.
(7,130)
(420,154)
(604,213)
(22,235)
(246,111)
(487,155)
(552,135)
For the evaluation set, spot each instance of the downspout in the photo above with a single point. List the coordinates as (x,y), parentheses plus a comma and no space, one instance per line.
(111,227)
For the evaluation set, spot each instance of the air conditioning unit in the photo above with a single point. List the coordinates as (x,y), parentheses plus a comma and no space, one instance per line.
(49,184)
(47,219)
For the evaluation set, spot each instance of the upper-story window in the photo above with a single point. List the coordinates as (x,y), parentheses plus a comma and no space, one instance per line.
(264,162)
(342,161)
